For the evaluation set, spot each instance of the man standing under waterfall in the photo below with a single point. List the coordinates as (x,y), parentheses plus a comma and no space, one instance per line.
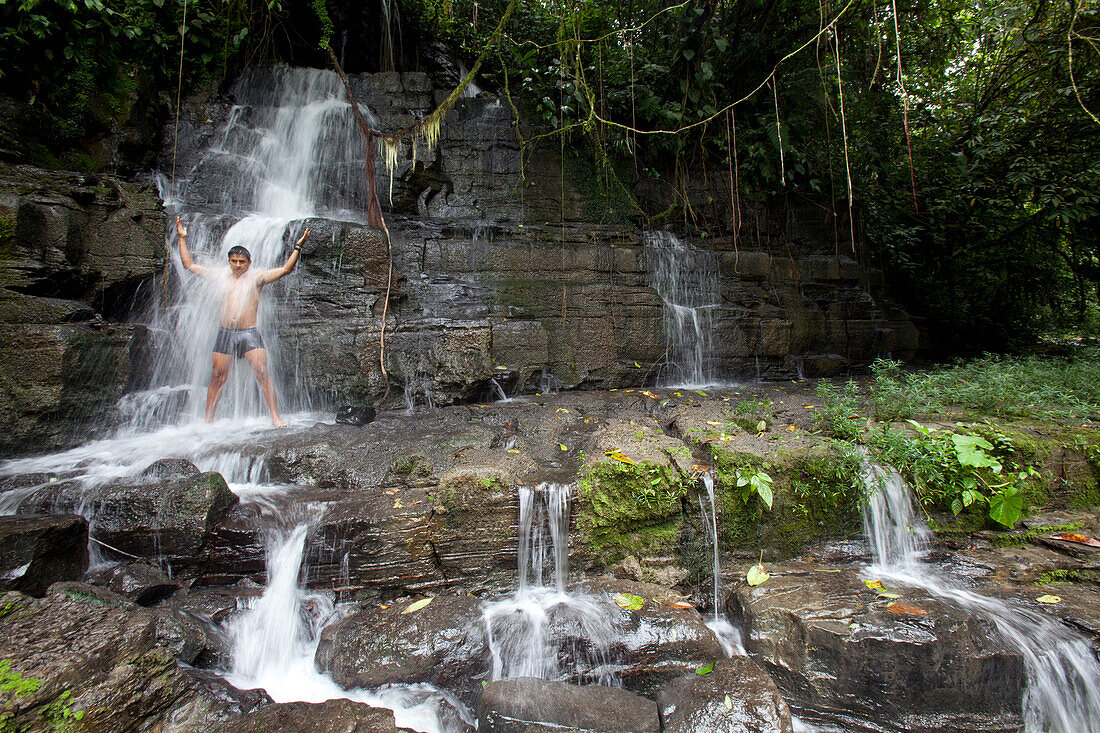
(237,335)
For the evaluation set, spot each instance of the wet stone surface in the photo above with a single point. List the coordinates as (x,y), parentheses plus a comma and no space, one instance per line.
(736,696)
(845,654)
(529,705)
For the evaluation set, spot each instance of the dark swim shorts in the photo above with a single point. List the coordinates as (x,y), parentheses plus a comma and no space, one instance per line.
(237,341)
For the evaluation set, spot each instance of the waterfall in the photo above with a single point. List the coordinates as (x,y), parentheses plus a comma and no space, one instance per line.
(686,279)
(1063,686)
(274,643)
(287,151)
(728,635)
(527,630)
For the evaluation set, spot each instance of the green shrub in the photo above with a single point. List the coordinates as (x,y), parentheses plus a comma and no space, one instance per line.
(839,414)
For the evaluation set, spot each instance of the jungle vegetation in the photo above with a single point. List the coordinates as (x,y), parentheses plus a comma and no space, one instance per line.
(954,144)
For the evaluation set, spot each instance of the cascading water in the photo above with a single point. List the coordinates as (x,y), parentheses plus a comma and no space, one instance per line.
(521,628)
(686,279)
(274,643)
(1063,686)
(728,635)
(288,151)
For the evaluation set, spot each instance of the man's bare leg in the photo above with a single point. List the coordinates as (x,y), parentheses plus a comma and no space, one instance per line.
(217,381)
(257,358)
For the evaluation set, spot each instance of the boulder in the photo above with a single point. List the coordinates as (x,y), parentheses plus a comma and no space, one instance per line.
(331,716)
(170,519)
(443,643)
(528,705)
(839,650)
(36,551)
(96,660)
(736,696)
(656,643)
(140,582)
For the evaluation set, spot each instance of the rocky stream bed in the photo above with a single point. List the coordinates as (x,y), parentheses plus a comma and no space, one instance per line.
(141,628)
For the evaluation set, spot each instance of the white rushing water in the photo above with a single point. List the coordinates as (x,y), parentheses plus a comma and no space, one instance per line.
(274,643)
(526,631)
(288,151)
(1063,685)
(686,279)
(728,635)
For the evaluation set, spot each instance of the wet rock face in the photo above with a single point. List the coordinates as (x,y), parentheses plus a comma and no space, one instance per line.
(143,584)
(443,643)
(331,716)
(655,643)
(36,551)
(842,654)
(97,655)
(76,248)
(169,519)
(528,705)
(736,696)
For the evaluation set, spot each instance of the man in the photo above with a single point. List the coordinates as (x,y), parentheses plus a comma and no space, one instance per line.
(240,301)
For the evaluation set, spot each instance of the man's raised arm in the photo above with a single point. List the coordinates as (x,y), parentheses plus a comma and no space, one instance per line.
(270,276)
(185,255)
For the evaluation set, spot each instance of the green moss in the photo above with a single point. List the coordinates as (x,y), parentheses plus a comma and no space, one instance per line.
(412,465)
(1018,539)
(817,493)
(630,509)
(1053,577)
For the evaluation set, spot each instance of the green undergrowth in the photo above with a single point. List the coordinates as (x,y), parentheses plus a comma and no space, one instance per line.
(1019,539)
(999,386)
(816,494)
(630,508)
(970,469)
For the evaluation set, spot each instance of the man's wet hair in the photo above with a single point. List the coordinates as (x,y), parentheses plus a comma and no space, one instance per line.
(239,250)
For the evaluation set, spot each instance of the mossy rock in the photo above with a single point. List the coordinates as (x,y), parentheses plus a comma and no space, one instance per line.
(631,491)
(412,465)
(817,492)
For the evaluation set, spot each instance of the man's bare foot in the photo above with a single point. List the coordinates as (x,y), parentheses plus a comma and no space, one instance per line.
(279,422)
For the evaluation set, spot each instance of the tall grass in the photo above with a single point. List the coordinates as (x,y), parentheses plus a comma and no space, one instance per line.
(1008,386)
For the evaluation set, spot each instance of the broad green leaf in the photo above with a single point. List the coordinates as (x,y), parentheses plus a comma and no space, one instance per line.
(757,575)
(764,491)
(971,451)
(1006,505)
(1049,599)
(417,605)
(628,601)
(956,506)
(888,594)
(705,670)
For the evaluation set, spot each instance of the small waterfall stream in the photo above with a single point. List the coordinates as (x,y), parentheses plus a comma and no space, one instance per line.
(728,635)
(274,643)
(1063,686)
(686,279)
(525,629)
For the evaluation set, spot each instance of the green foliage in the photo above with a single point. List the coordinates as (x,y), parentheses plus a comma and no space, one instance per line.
(1032,386)
(957,471)
(838,416)
(755,483)
(79,65)
(893,394)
